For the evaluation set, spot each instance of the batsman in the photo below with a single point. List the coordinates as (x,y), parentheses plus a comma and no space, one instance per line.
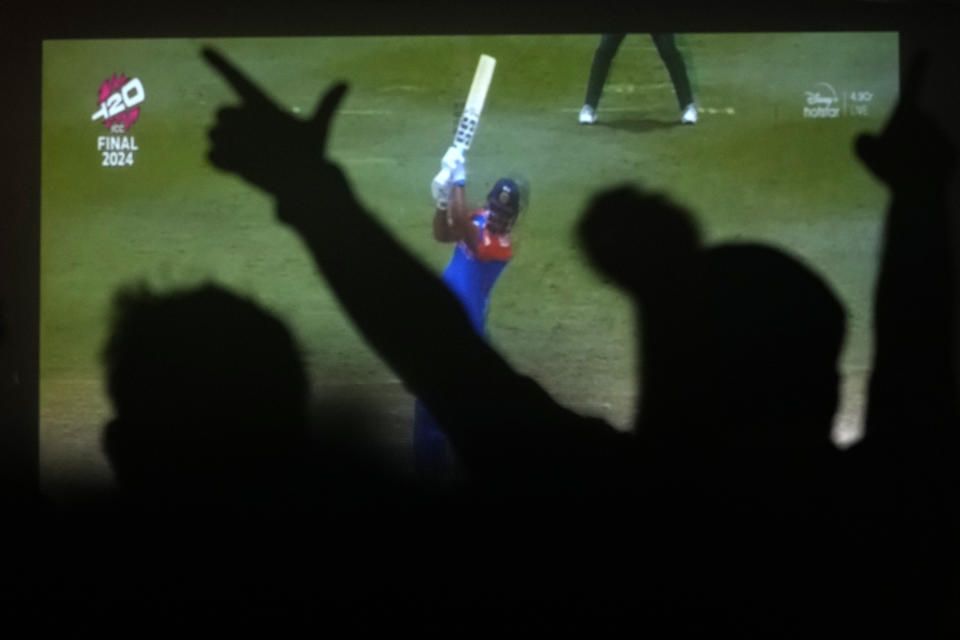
(483,249)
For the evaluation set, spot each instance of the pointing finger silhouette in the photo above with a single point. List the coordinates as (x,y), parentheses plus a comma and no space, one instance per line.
(325,110)
(317,126)
(237,80)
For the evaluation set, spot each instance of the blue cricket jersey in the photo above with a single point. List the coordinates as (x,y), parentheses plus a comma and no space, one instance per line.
(471,276)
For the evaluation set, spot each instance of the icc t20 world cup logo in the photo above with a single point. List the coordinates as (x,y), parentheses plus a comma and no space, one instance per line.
(118,105)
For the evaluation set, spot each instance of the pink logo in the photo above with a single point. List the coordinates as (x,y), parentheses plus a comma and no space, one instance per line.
(118,101)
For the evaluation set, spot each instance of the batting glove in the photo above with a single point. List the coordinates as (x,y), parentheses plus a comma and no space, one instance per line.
(459,174)
(452,158)
(440,188)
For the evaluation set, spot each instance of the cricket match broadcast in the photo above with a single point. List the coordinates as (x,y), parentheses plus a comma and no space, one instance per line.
(479,155)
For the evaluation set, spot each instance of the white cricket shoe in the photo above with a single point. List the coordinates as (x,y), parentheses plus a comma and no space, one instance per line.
(689,114)
(588,115)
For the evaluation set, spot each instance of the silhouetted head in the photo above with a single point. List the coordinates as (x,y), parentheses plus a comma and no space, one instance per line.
(642,242)
(208,390)
(771,334)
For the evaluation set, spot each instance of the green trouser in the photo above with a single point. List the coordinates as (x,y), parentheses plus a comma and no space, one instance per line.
(666,47)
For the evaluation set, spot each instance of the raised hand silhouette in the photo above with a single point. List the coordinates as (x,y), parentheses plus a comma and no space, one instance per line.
(913,150)
(265,145)
(904,470)
(640,240)
(912,388)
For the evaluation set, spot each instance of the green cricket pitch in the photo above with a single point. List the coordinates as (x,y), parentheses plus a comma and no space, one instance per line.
(753,168)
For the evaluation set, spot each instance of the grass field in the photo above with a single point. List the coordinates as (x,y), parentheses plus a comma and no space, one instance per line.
(752,168)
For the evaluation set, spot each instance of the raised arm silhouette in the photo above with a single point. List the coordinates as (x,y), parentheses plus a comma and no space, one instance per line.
(524,441)
(904,470)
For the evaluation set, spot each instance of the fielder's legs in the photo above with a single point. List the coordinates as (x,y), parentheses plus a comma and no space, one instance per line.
(602,59)
(667,48)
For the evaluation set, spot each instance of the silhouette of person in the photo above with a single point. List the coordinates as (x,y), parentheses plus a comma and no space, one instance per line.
(210,399)
(227,474)
(905,466)
(738,354)
(737,437)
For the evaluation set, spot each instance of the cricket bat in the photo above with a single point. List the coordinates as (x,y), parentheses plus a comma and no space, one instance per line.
(466,128)
(482,77)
